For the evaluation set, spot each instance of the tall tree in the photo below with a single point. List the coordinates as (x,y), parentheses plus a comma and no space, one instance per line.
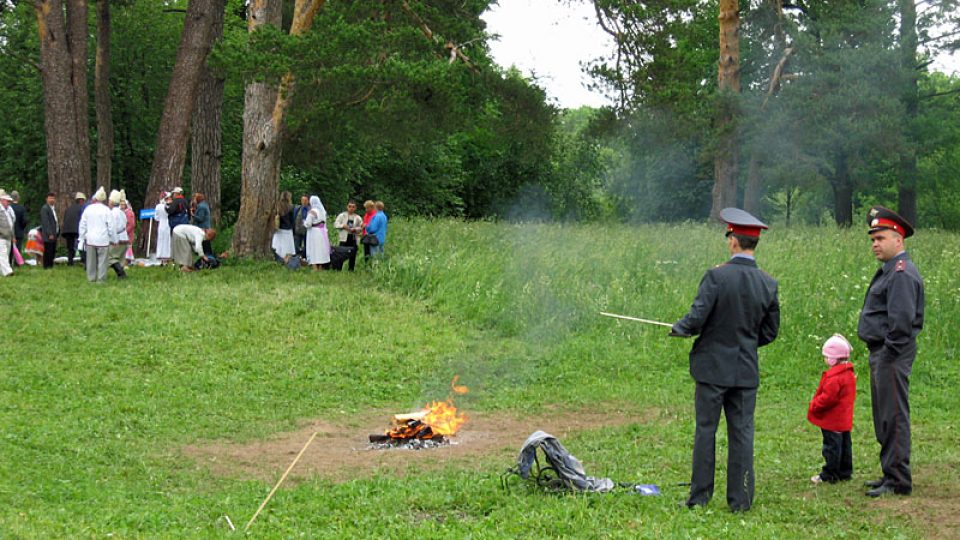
(908,64)
(101,85)
(63,49)
(174,132)
(265,106)
(206,147)
(727,159)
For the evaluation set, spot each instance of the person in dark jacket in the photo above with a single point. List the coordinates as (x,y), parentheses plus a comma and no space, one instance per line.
(71,225)
(735,312)
(891,319)
(49,229)
(178,213)
(201,214)
(20,221)
(299,230)
(831,409)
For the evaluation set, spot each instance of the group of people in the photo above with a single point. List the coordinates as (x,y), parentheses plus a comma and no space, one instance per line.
(183,229)
(103,231)
(301,232)
(42,241)
(737,310)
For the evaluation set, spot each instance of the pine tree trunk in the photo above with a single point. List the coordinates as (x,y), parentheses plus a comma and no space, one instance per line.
(174,132)
(77,36)
(842,193)
(206,145)
(261,151)
(101,84)
(907,205)
(726,162)
(263,120)
(753,191)
(66,152)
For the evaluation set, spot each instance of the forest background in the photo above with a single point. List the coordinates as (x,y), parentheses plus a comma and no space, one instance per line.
(816,109)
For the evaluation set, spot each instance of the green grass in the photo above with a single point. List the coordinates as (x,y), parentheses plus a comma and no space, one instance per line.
(102,386)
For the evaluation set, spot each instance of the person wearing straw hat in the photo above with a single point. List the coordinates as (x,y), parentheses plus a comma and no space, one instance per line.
(7,236)
(735,312)
(71,225)
(118,220)
(891,319)
(97,234)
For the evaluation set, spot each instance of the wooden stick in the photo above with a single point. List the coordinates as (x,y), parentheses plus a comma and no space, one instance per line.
(647,321)
(282,478)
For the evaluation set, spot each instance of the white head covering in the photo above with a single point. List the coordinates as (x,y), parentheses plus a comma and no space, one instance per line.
(123,197)
(100,195)
(115,197)
(80,195)
(178,189)
(4,196)
(315,204)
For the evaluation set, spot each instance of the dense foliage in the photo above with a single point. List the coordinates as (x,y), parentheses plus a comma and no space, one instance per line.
(823,121)
(383,109)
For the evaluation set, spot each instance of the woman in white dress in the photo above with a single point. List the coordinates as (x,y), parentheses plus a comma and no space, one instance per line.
(163,228)
(282,243)
(318,243)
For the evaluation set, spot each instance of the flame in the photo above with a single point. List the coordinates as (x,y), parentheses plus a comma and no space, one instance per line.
(436,418)
(443,418)
(458,389)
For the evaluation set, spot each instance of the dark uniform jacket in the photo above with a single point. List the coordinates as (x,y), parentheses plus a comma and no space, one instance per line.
(71,219)
(48,223)
(736,310)
(892,314)
(20,220)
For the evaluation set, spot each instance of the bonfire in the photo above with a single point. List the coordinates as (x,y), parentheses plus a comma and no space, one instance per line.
(436,421)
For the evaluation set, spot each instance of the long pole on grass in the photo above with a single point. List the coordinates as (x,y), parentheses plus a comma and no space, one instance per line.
(282,478)
(645,321)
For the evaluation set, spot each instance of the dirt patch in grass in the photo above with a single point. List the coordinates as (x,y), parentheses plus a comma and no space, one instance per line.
(340,450)
(934,505)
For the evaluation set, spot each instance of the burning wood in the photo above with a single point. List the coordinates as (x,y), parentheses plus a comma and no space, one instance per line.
(437,421)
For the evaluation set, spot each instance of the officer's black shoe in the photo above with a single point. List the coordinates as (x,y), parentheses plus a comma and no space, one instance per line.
(888,488)
(874,483)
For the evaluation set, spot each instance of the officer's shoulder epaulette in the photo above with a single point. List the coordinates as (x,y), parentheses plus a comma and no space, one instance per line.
(901,266)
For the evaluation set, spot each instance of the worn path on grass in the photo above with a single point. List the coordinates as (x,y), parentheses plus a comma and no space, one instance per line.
(340,450)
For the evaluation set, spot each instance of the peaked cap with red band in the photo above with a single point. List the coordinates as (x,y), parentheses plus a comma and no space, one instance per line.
(741,223)
(879,218)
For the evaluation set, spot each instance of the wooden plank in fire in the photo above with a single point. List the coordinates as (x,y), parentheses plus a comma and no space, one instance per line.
(402,419)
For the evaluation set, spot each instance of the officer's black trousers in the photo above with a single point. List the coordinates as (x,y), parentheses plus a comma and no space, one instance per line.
(837,456)
(890,400)
(738,405)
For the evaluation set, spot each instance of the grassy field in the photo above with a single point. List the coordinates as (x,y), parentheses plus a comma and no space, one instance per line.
(103,387)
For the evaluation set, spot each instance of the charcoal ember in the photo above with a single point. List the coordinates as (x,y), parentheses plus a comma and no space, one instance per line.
(407,444)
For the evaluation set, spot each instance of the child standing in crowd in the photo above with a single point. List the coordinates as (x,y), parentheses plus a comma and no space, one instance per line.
(832,410)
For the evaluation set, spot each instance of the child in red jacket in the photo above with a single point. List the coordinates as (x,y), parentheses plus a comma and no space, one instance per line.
(832,410)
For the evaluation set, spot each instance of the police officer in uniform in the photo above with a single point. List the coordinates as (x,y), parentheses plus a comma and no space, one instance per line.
(891,318)
(735,312)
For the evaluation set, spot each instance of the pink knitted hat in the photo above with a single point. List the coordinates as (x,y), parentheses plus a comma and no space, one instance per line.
(837,348)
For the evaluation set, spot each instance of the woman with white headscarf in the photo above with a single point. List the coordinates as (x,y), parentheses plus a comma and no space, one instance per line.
(163,228)
(318,242)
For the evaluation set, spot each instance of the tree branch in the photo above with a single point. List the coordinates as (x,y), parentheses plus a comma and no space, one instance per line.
(454,50)
(938,94)
(938,38)
(25,59)
(777,76)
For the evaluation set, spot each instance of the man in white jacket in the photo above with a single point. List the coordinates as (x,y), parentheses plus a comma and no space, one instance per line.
(97,234)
